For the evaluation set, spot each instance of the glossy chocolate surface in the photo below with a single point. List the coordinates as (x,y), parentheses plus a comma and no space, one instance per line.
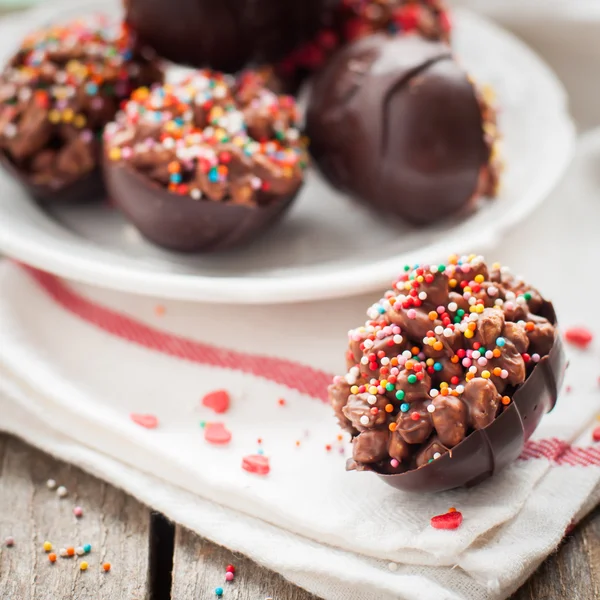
(225,34)
(396,122)
(181,223)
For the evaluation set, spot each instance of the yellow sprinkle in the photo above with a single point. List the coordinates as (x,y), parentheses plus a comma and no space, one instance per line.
(496,265)
(47,546)
(79,121)
(372,390)
(67,115)
(467,289)
(114,154)
(83,566)
(453,283)
(430,362)
(354,389)
(383,382)
(420,279)
(54,116)
(486,374)
(468,334)
(479,278)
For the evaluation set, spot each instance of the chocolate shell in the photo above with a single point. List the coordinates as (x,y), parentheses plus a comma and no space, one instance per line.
(398,124)
(486,451)
(225,35)
(183,224)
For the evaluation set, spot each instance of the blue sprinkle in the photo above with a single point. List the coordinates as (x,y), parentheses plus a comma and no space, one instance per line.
(175,177)
(380,309)
(437,366)
(405,407)
(260,451)
(91,89)
(213,176)
(127,55)
(87,548)
(219,591)
(500,341)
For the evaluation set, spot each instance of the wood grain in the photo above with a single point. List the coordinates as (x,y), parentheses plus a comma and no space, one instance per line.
(116,526)
(199,567)
(573,572)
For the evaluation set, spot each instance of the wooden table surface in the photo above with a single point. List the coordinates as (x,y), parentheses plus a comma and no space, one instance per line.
(155,560)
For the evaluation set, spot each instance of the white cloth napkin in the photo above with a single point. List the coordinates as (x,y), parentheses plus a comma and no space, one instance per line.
(76,362)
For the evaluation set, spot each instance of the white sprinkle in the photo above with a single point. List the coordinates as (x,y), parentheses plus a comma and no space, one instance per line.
(63,552)
(372,399)
(436,455)
(521,300)
(398,339)
(385,361)
(492,290)
(460,389)
(423,296)
(392,567)
(407,354)
(369,344)
(364,360)
(439,330)
(452,307)
(196,194)
(62,491)
(434,393)
(473,369)
(79,551)
(498,302)
(430,408)
(510,295)
(364,420)
(472,300)
(448,332)
(476,354)
(51,484)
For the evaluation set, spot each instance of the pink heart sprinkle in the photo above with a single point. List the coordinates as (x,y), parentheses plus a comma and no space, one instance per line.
(450,520)
(218,401)
(217,433)
(578,336)
(256,463)
(147,421)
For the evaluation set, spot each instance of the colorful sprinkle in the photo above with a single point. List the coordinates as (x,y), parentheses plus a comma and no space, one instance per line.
(145,420)
(451,520)
(256,464)
(579,336)
(217,433)
(218,401)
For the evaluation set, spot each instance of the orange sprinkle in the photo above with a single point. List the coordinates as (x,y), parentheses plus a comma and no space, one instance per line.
(173,167)
(389,408)
(52,557)
(497,371)
(106,567)
(453,283)
(444,391)
(505,400)
(409,365)
(452,509)
(438,346)
(394,362)
(340,437)
(297,443)
(469,376)
(472,326)
(415,350)
(454,359)
(433,315)
(393,426)
(159,310)
(497,353)
(529,326)
(70,551)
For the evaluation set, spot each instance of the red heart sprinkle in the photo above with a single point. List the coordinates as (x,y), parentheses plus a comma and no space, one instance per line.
(596,434)
(578,336)
(216,433)
(256,463)
(451,520)
(217,401)
(147,421)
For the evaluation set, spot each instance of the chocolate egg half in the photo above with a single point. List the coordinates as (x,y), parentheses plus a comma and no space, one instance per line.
(398,124)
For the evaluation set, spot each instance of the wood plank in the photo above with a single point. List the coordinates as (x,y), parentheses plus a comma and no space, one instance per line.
(116,525)
(573,572)
(199,567)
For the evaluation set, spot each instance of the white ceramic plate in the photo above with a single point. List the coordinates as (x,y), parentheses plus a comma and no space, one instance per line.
(327,246)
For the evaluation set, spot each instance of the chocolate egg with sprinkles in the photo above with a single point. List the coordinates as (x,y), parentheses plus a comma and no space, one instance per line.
(399,125)
(207,163)
(56,95)
(449,376)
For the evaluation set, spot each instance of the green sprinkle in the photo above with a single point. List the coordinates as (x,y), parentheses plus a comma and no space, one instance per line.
(407,268)
(389,387)
(400,394)
(527,296)
(460,312)
(441,268)
(412,379)
(203,424)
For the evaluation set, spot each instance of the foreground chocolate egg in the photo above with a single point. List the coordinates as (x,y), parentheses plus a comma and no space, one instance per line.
(206,164)
(56,95)
(423,425)
(225,35)
(398,124)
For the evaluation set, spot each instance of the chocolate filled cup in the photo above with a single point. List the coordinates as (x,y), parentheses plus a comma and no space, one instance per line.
(180,223)
(59,90)
(449,376)
(486,451)
(206,164)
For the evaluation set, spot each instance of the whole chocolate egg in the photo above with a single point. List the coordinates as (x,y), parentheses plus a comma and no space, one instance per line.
(228,34)
(397,123)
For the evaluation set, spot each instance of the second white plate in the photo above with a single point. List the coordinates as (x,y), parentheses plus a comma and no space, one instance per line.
(328,246)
